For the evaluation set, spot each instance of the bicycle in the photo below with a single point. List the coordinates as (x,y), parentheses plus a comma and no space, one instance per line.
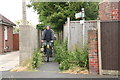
(48,49)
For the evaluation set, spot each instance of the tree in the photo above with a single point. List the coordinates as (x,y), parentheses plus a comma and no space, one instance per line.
(56,13)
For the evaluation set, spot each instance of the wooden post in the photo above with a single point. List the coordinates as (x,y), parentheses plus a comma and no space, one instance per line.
(39,38)
(99,47)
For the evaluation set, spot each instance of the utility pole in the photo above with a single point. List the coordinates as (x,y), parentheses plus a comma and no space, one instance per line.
(24,12)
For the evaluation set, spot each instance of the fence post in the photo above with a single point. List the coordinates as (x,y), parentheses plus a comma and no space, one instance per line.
(68,21)
(99,47)
(39,38)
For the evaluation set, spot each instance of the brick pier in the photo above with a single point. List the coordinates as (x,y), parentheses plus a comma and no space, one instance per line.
(93,52)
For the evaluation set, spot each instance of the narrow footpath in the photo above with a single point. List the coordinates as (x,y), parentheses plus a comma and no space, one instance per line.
(50,70)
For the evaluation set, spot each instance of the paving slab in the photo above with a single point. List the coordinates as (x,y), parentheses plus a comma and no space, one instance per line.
(9,60)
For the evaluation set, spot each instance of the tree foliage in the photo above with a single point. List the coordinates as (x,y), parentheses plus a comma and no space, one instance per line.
(56,13)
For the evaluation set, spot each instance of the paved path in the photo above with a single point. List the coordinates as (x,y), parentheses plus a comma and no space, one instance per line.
(49,70)
(9,60)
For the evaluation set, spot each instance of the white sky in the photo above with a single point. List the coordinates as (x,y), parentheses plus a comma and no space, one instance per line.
(12,9)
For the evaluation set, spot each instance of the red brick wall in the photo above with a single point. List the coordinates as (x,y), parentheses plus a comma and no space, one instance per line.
(9,42)
(109,11)
(15,41)
(93,52)
(119,11)
(1,39)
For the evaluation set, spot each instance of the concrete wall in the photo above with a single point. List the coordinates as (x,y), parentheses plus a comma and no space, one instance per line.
(65,32)
(28,42)
(74,32)
(75,35)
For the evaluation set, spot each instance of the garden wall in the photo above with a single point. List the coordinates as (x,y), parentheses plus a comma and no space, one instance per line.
(93,52)
(28,37)
(73,32)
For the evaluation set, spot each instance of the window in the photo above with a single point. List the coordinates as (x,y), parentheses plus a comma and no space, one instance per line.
(5,33)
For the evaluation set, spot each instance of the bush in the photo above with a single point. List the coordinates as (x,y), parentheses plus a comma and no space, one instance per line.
(78,57)
(60,51)
(34,62)
(36,59)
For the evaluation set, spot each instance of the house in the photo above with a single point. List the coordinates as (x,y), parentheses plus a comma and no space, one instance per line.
(6,34)
(109,10)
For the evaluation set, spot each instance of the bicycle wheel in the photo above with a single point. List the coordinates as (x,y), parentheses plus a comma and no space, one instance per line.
(48,54)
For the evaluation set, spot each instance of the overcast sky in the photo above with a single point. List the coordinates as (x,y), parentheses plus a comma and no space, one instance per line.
(12,9)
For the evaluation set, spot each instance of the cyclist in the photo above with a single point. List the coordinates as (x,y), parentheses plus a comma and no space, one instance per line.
(47,35)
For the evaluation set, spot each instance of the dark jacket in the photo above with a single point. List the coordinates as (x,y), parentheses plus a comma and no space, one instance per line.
(48,35)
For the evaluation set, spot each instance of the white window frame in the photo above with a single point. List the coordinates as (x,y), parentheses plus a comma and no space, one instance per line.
(5,33)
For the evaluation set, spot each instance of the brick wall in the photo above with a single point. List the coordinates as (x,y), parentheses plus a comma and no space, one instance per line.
(109,11)
(93,52)
(119,10)
(9,42)
(1,39)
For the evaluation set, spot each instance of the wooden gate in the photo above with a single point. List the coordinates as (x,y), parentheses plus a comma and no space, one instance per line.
(109,46)
(15,42)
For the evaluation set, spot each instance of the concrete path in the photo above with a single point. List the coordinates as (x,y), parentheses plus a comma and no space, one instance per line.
(9,60)
(49,70)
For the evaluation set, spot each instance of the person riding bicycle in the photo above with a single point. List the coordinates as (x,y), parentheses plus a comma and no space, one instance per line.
(47,35)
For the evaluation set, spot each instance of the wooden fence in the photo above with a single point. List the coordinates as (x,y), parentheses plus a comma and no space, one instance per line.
(15,42)
(109,46)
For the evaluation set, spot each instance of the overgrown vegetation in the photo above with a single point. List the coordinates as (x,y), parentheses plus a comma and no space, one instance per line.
(67,60)
(36,59)
(30,64)
(34,62)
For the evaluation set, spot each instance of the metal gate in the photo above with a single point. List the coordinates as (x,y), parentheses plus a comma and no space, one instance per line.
(109,46)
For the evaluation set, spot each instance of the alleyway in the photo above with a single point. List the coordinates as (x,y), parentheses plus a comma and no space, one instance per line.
(49,70)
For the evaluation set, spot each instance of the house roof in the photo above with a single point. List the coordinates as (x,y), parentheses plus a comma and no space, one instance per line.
(5,21)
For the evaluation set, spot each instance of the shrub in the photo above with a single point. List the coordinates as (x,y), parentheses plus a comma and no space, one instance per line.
(32,63)
(66,59)
(36,59)
(61,52)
